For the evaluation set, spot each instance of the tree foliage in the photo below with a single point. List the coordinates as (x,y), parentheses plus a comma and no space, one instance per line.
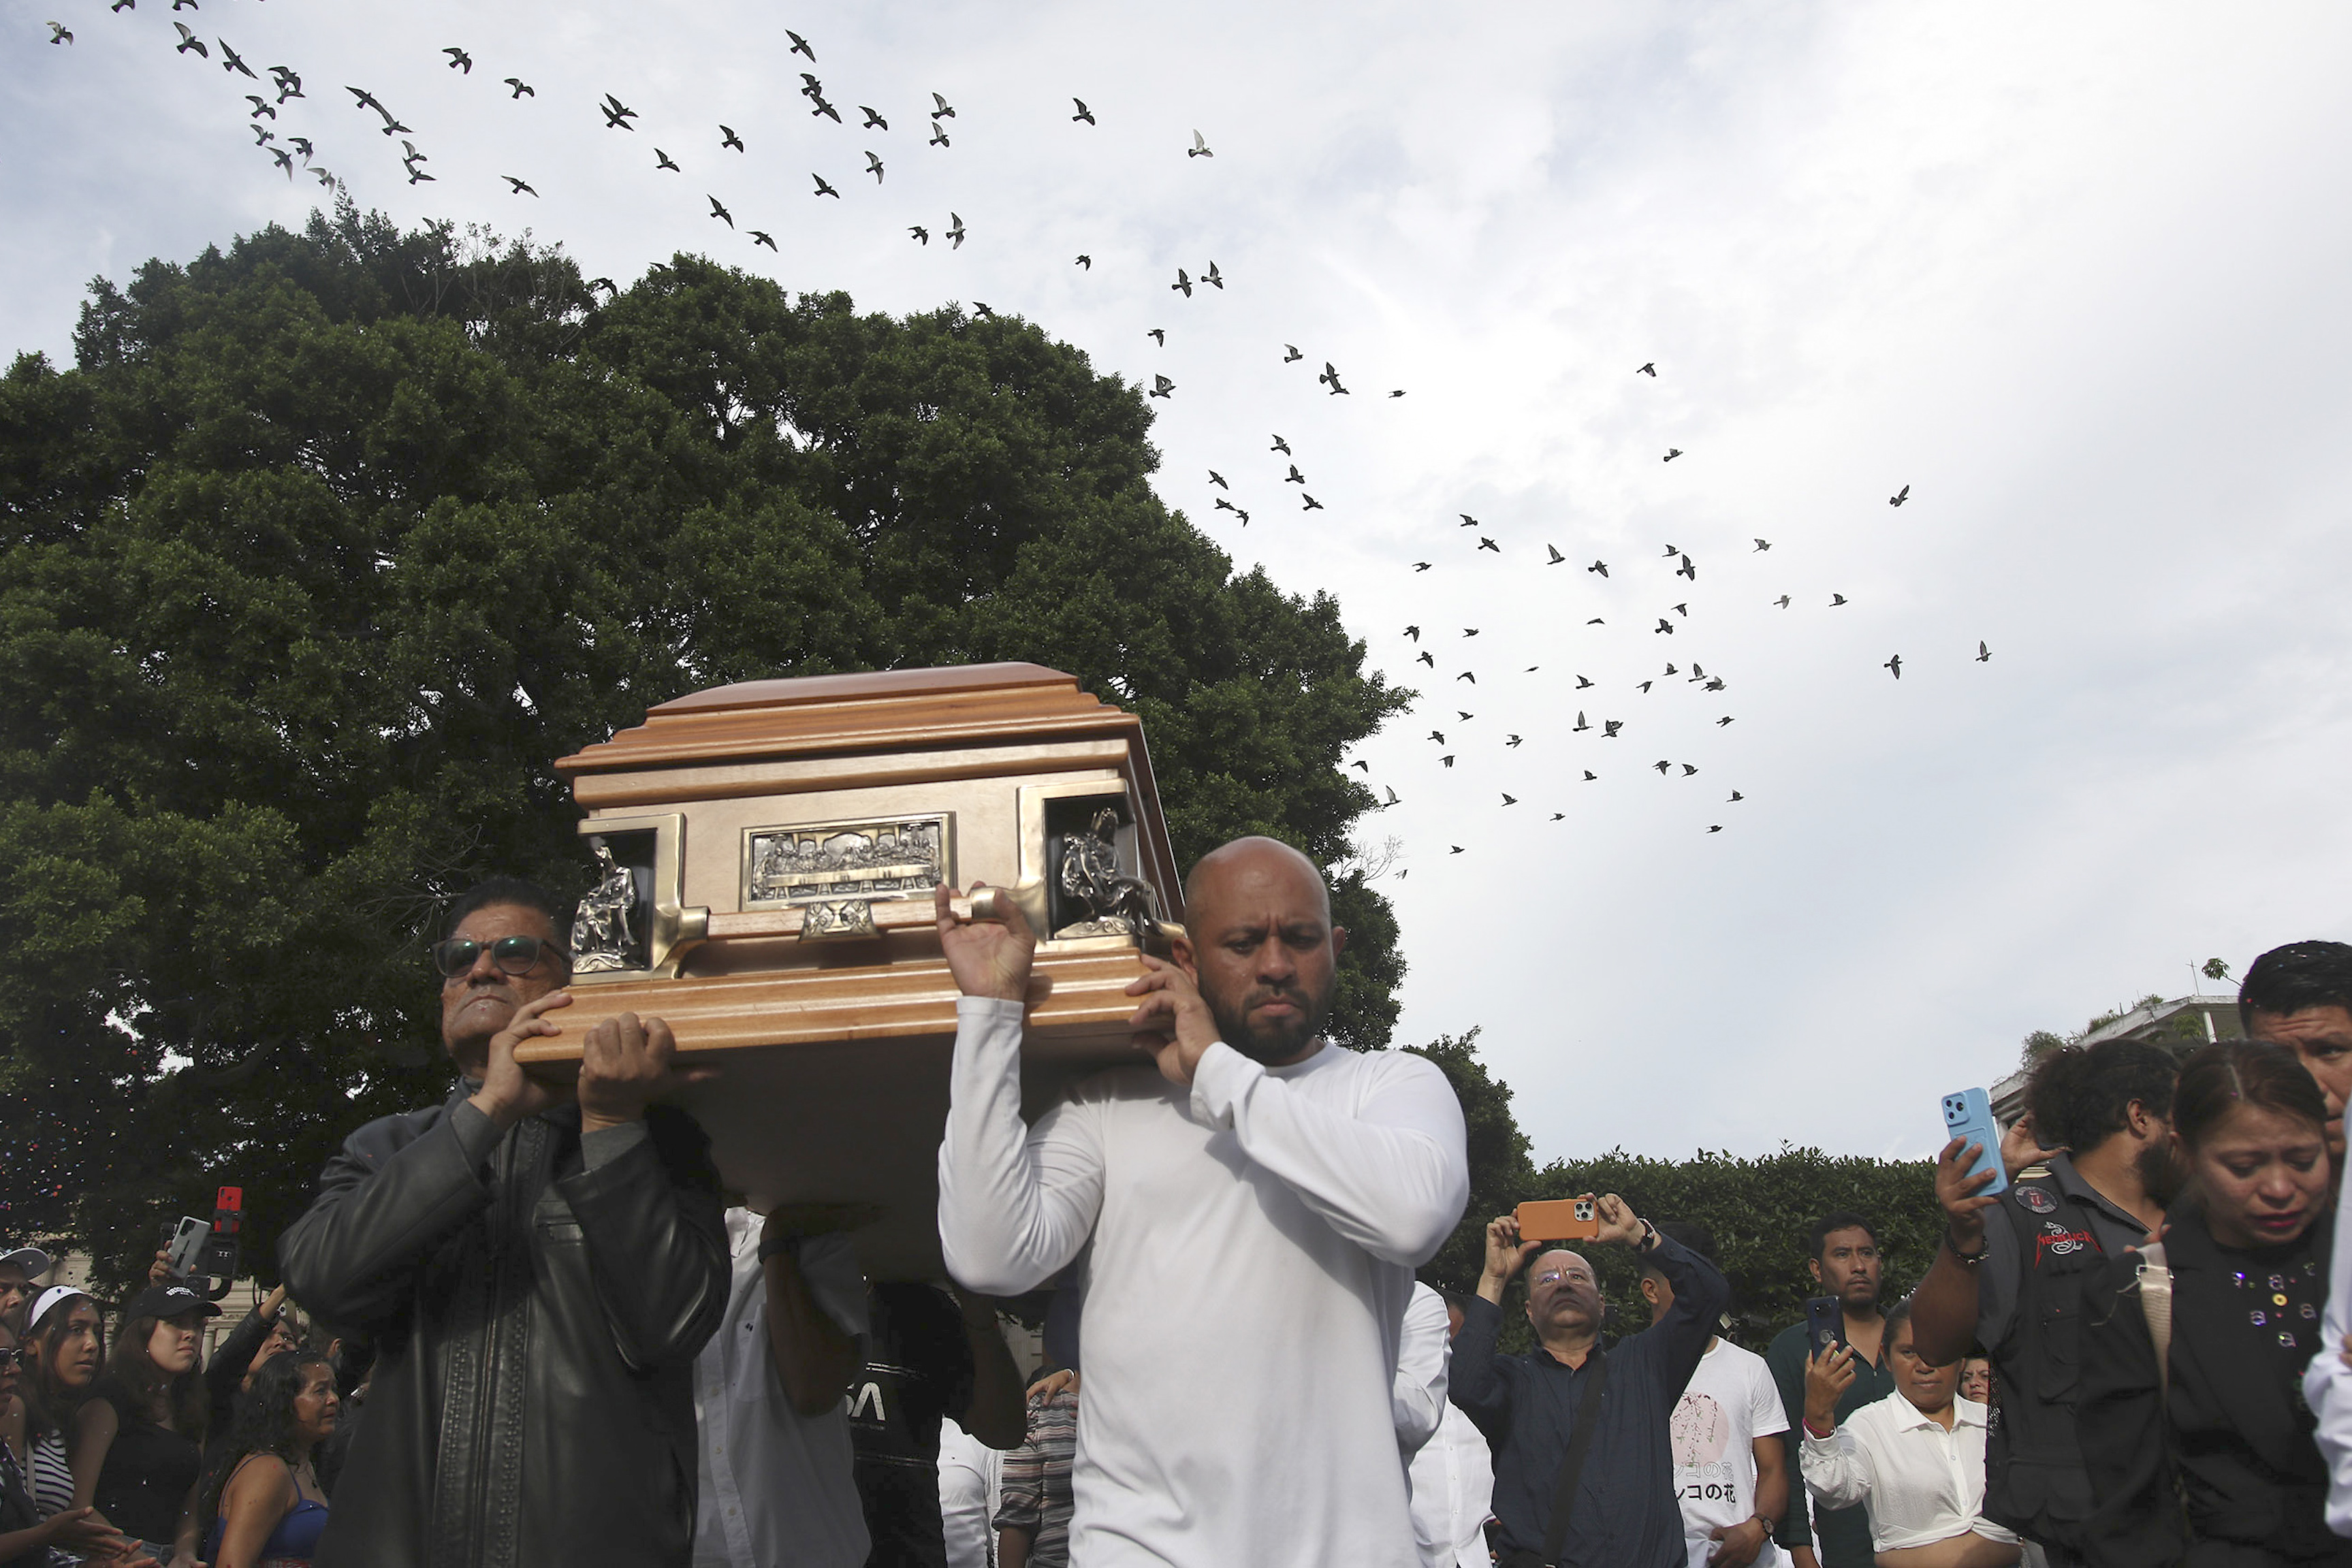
(327,545)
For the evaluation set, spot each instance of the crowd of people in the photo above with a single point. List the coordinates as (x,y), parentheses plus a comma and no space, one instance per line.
(541,1334)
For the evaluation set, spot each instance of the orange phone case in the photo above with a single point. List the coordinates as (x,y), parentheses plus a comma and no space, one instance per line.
(1559,1220)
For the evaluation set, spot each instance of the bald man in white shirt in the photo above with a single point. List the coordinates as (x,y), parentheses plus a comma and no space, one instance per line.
(1251,1214)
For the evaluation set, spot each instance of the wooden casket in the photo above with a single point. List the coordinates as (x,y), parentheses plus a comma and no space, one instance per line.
(767,855)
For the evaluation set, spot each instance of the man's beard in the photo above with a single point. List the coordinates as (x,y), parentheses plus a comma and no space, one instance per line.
(1273,1042)
(2159,1173)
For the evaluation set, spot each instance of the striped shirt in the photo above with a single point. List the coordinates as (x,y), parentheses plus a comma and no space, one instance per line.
(52,1477)
(1036,1488)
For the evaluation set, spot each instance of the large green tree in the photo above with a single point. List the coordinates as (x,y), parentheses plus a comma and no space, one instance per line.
(326,546)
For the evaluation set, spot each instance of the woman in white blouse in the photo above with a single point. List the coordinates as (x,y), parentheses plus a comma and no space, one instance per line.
(1916,1457)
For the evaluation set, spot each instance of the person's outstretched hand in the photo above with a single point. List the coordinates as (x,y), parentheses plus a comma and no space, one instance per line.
(1506,1254)
(987,957)
(1962,1194)
(1619,1223)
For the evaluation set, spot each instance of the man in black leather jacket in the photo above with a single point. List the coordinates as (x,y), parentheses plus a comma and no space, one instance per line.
(539,1269)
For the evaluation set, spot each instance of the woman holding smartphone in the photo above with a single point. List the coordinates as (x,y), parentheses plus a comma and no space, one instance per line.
(137,1446)
(2206,1454)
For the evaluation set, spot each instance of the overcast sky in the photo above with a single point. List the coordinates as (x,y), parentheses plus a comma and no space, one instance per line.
(2074,275)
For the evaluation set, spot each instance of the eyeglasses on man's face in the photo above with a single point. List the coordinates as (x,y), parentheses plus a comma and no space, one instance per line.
(512,955)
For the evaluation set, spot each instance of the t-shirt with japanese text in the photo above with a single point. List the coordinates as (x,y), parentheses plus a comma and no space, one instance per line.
(1729,1403)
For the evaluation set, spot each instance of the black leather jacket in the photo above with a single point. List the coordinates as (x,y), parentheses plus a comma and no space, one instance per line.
(537,1309)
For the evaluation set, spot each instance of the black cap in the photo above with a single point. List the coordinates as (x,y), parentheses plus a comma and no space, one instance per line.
(170,1301)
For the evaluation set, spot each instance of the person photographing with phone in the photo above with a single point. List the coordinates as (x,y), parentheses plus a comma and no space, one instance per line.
(1844,1257)
(1584,1467)
(1916,1459)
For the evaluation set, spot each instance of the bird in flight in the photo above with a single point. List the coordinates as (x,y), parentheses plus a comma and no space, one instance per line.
(232,61)
(955,231)
(1279,444)
(1198,148)
(1158,335)
(1650,369)
(1084,112)
(417,176)
(1398,393)
(1161,386)
(520,188)
(942,111)
(662,161)
(58,34)
(1469,630)
(1610,726)
(1600,566)
(1390,801)
(1560,816)
(1836,600)
(1511,741)
(1590,777)
(1468,520)
(1290,352)
(1735,795)
(289,85)
(1721,722)
(1438,736)
(760,236)
(521,88)
(979,310)
(1984,654)
(1579,726)
(1896,499)
(1218,479)
(1084,260)
(1581,684)
(1763,545)
(1782,601)
(617,114)
(1223,505)
(188,40)
(261,106)
(874,121)
(800,45)
(1184,284)
(1717,828)
(1671,453)
(1486,543)
(1468,675)
(719,212)
(1295,476)
(1425,657)
(1687,569)
(1213,277)
(727,138)
(1688,769)
(1673,551)
(1713,685)
(939,136)
(1661,765)
(825,108)
(1331,376)
(300,144)
(874,167)
(1682,611)
(459,61)
(285,160)
(823,189)
(1311,504)
(1509,799)
(1414,632)
(1664,626)
(1420,566)
(1895,665)
(920,232)
(1456,848)
(1556,556)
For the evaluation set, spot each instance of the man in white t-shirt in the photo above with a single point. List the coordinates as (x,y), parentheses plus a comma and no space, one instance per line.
(1731,1465)
(772,1438)
(1251,1214)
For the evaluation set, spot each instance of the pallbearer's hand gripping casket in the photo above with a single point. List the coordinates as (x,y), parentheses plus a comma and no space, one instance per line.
(767,855)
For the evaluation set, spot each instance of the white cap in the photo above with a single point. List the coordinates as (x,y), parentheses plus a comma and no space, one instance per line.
(50,1298)
(32,1260)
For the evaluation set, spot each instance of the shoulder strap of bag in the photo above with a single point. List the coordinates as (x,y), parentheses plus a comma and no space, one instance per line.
(2156,1305)
(1571,1468)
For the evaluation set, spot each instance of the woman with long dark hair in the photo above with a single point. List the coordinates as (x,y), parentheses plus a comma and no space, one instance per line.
(65,1347)
(263,1501)
(27,1538)
(136,1447)
(2190,1410)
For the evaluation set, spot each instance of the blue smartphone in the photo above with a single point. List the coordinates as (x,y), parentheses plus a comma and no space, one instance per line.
(1967,1116)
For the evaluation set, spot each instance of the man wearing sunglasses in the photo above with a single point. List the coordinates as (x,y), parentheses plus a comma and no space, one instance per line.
(539,1264)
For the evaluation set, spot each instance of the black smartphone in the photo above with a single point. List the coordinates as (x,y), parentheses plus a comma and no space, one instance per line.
(1824,1323)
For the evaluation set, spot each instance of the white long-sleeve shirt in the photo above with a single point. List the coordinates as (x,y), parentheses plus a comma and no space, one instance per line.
(2327,1381)
(971,1474)
(1424,1355)
(1252,1248)
(1923,1484)
(1453,1494)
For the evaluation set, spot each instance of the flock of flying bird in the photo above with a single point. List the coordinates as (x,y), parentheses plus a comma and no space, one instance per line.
(287,85)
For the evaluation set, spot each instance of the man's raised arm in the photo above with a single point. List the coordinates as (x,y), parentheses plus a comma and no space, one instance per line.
(1014,1205)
